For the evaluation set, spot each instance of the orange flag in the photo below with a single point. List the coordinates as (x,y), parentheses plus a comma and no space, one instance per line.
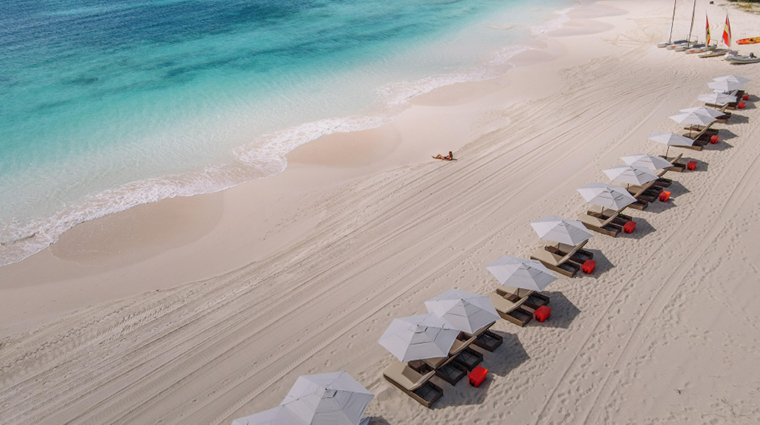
(727,33)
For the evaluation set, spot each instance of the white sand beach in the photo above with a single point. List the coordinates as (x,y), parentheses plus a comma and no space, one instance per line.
(185,311)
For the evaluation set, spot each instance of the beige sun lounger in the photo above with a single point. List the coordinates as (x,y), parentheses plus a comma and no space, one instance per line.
(413,383)
(644,194)
(451,368)
(559,261)
(531,300)
(677,166)
(510,311)
(485,339)
(611,226)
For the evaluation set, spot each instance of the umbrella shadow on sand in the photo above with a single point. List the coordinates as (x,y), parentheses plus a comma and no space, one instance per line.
(563,311)
(378,420)
(507,357)
(738,119)
(720,146)
(643,227)
(603,264)
(726,135)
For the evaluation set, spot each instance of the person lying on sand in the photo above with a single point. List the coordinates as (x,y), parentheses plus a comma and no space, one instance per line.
(448,157)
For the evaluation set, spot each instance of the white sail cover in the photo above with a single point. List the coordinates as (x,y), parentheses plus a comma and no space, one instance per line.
(463,311)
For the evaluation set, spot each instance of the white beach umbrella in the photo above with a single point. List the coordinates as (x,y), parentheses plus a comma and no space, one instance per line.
(671,139)
(650,162)
(328,399)
(463,311)
(561,230)
(606,195)
(725,86)
(704,110)
(521,273)
(630,175)
(418,337)
(716,98)
(692,119)
(734,78)
(277,416)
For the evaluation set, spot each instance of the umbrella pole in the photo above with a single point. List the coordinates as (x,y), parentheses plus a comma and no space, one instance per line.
(666,151)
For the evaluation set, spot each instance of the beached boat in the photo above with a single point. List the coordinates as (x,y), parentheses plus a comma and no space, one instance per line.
(740,59)
(717,52)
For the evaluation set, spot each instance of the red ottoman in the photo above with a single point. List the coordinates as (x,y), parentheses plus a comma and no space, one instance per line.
(477,376)
(542,313)
(691,165)
(745,97)
(714,139)
(741,105)
(664,196)
(588,266)
(629,227)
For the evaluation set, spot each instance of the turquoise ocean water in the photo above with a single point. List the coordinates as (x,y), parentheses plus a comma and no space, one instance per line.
(107,104)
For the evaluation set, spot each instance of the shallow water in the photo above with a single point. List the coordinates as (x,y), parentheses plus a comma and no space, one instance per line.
(108,104)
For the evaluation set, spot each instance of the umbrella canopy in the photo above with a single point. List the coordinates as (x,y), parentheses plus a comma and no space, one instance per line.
(463,311)
(716,98)
(725,86)
(692,119)
(418,337)
(671,139)
(561,230)
(606,195)
(630,174)
(704,110)
(650,162)
(328,399)
(277,416)
(521,273)
(733,78)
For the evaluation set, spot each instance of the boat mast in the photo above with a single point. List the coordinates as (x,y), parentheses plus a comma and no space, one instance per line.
(693,10)
(670,36)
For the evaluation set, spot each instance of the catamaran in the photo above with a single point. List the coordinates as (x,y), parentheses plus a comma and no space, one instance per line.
(688,45)
(670,41)
(707,46)
(726,42)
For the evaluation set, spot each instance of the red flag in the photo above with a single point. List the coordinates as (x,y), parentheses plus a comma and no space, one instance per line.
(727,33)
(707,30)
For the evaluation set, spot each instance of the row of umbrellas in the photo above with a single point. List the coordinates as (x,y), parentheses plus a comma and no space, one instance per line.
(337,399)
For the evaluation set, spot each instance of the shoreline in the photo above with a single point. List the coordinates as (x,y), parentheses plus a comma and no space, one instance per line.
(244,164)
(348,238)
(121,240)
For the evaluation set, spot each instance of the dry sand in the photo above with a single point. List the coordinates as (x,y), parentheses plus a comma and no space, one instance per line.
(200,310)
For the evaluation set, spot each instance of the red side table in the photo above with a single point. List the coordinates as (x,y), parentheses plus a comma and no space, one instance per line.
(629,227)
(691,165)
(664,196)
(542,313)
(477,376)
(740,105)
(714,139)
(588,266)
